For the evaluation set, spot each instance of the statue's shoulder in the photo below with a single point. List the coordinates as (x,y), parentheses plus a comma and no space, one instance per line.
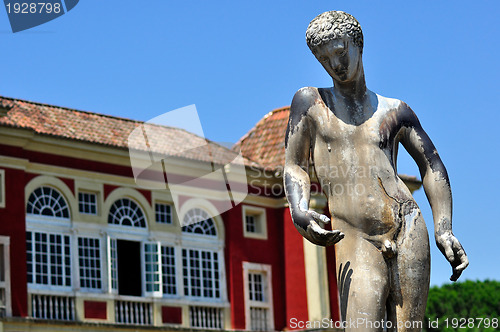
(303,100)
(390,104)
(397,110)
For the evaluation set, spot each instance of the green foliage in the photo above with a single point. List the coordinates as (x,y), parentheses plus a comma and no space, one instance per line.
(462,306)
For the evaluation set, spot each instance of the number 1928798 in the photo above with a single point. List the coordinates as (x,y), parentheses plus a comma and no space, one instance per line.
(33,8)
(461,323)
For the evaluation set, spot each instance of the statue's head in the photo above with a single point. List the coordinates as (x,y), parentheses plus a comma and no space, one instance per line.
(336,40)
(333,25)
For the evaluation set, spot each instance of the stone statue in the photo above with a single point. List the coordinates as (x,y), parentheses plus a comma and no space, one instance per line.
(352,135)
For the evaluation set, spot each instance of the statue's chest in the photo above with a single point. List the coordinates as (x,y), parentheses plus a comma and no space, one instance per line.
(331,129)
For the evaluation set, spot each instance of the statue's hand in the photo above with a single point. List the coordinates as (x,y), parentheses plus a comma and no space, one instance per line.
(306,223)
(454,253)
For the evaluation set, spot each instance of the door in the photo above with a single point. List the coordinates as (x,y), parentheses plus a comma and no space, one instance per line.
(129,267)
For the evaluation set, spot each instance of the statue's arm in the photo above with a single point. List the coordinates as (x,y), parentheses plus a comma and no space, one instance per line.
(296,178)
(437,188)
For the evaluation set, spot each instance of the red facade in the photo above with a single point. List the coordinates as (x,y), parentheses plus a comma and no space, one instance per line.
(280,251)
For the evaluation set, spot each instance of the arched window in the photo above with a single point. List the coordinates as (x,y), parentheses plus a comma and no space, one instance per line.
(198,221)
(126,212)
(47,201)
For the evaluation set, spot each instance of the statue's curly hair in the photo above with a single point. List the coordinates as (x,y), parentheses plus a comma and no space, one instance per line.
(332,25)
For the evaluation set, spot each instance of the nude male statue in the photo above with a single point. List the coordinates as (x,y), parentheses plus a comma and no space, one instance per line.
(352,136)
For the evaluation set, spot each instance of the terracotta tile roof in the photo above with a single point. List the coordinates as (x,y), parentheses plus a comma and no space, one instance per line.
(107,130)
(265,143)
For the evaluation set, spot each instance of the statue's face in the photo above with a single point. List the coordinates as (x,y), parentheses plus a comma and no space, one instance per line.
(340,58)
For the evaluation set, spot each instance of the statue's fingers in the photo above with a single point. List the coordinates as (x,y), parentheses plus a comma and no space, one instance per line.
(335,236)
(316,233)
(456,274)
(320,217)
(317,228)
(449,253)
(462,266)
(457,270)
(465,262)
(461,255)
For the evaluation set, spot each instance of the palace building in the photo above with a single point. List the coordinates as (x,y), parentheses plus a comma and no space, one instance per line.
(108,224)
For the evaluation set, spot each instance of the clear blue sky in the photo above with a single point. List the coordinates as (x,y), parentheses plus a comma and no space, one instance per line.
(238,60)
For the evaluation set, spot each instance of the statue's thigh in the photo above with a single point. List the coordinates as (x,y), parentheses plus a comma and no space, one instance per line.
(363,283)
(410,273)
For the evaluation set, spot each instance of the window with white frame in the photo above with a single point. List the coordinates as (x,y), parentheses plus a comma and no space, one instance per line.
(5,295)
(160,281)
(47,201)
(201,275)
(254,222)
(198,221)
(168,270)
(48,259)
(126,212)
(165,266)
(258,297)
(113,264)
(159,268)
(87,203)
(152,266)
(163,213)
(256,286)
(89,261)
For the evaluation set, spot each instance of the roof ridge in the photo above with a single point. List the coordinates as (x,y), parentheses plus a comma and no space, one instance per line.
(112,117)
(280,109)
(72,109)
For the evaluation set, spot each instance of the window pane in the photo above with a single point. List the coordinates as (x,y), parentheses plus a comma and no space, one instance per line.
(48,259)
(201,273)
(29,256)
(198,221)
(163,213)
(114,264)
(126,212)
(256,287)
(250,224)
(152,273)
(168,270)
(46,201)
(87,203)
(89,258)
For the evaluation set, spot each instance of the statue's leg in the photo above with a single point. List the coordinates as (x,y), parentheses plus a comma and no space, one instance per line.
(410,271)
(363,283)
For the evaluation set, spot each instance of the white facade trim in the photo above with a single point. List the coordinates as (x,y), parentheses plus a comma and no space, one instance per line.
(268,303)
(260,219)
(5,283)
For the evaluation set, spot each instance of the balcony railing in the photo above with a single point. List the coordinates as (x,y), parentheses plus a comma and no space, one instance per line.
(206,317)
(133,312)
(52,307)
(259,319)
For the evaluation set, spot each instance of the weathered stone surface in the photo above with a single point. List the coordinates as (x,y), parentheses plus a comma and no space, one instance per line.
(352,135)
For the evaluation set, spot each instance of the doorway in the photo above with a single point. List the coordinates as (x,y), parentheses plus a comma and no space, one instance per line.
(129,267)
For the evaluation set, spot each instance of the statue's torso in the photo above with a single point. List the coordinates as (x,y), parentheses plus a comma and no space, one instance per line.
(354,162)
